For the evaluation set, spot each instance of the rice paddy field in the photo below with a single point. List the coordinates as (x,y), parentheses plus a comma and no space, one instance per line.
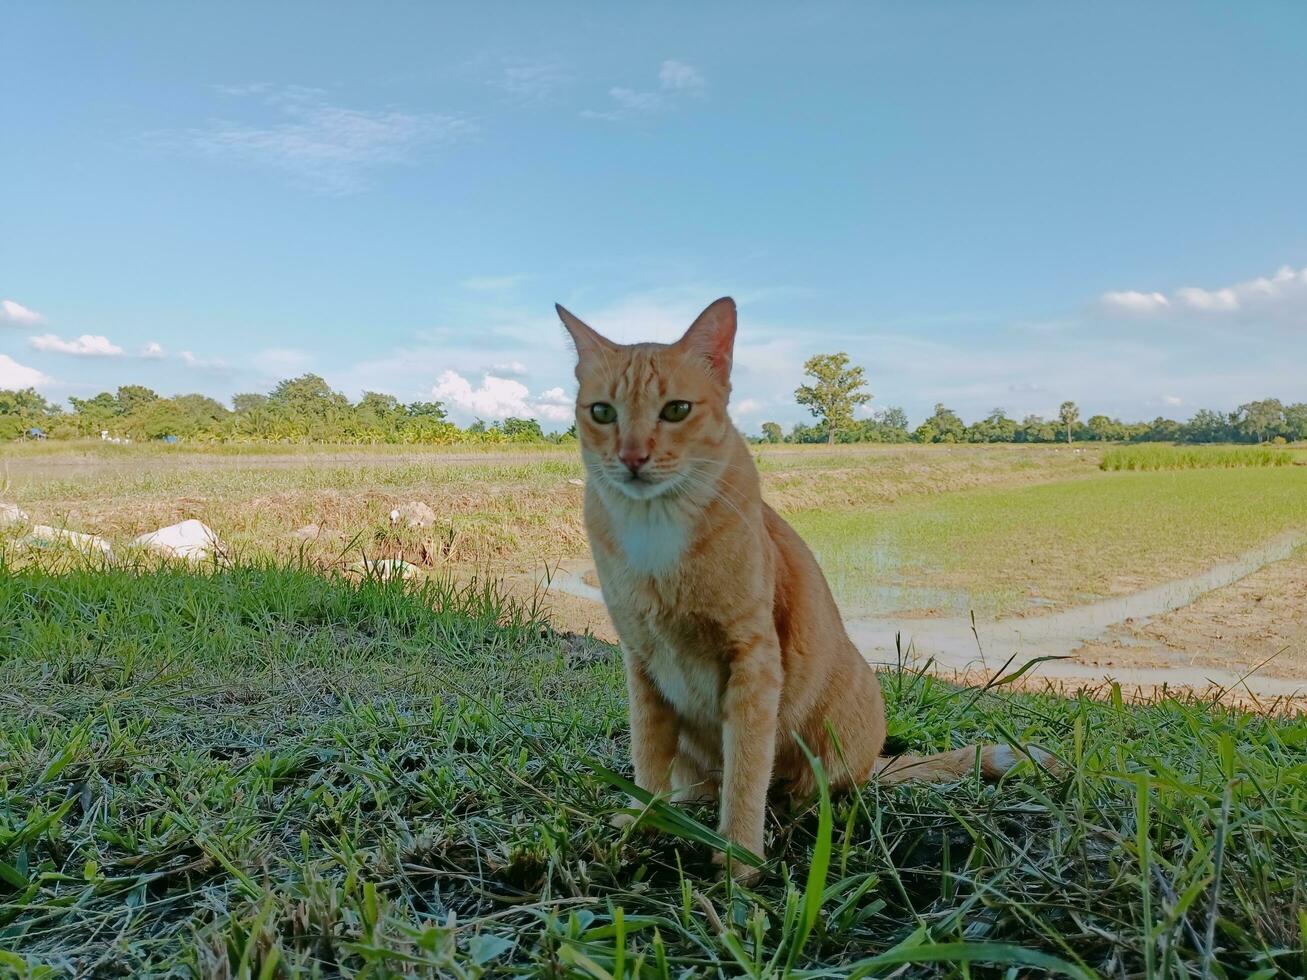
(268,767)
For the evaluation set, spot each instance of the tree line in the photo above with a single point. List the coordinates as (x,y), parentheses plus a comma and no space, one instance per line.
(307,410)
(298,410)
(838,388)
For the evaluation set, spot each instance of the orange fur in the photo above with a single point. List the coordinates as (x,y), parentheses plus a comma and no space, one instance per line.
(733,646)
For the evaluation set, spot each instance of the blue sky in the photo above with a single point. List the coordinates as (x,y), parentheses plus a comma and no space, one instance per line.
(985,205)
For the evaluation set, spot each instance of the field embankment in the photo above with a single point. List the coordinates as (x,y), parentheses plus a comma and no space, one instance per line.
(261,770)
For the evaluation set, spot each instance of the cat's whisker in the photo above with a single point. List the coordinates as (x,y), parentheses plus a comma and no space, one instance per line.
(715,490)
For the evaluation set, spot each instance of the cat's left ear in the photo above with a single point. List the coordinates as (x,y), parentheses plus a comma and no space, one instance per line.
(712,335)
(588,340)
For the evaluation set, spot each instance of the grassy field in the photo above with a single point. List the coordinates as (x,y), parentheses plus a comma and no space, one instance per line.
(994,529)
(1049,545)
(507,507)
(265,771)
(1165,457)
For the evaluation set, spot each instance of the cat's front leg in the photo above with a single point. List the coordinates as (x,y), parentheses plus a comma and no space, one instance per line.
(654,729)
(750,708)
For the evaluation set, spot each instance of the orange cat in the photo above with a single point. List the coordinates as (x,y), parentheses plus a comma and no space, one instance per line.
(734,649)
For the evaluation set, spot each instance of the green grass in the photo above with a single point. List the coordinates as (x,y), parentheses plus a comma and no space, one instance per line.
(265,772)
(994,550)
(1166,457)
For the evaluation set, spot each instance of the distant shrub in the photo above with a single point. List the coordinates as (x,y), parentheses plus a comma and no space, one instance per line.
(1163,457)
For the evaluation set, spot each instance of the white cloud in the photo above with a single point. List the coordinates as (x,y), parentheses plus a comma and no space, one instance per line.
(677,76)
(284,362)
(748,406)
(87,345)
(13,312)
(488,284)
(330,148)
(1216,300)
(499,398)
(191,360)
(1283,294)
(1132,301)
(628,98)
(509,368)
(14,375)
(530,81)
(555,413)
(152,351)
(1172,400)
(496,398)
(676,79)
(556,405)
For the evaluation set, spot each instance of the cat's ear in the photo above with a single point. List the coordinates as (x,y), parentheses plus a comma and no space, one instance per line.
(712,335)
(587,340)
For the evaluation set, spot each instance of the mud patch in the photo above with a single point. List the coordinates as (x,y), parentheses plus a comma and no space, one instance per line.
(1259,622)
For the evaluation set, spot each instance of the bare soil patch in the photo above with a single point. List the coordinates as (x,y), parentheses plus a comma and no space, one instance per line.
(1259,622)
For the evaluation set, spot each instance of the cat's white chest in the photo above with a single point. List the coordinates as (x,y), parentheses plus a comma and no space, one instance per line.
(690,684)
(653,539)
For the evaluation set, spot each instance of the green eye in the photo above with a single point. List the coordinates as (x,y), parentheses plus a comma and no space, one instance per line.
(603,413)
(674,411)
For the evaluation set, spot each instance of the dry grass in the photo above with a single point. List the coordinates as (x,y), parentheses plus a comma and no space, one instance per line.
(512,507)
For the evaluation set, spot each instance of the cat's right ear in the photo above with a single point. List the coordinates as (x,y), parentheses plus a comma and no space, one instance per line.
(589,343)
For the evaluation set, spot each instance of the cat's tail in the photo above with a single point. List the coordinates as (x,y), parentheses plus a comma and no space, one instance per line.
(996,761)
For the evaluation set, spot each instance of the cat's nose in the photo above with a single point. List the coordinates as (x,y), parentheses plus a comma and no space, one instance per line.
(634,459)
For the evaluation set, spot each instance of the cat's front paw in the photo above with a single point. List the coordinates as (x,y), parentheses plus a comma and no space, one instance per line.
(630,818)
(741,871)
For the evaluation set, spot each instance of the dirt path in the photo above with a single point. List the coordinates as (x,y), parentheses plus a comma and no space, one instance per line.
(1241,624)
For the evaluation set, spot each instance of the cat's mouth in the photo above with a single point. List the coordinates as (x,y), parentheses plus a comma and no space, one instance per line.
(642,485)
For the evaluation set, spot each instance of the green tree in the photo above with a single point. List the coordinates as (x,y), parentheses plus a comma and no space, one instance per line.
(1295,421)
(91,416)
(132,397)
(522,430)
(427,410)
(1162,430)
(1207,426)
(23,409)
(159,418)
(771,432)
(995,427)
(892,422)
(807,433)
(1035,428)
(1261,420)
(25,402)
(1103,428)
(1068,414)
(248,402)
(837,390)
(945,425)
(377,417)
(925,432)
(307,409)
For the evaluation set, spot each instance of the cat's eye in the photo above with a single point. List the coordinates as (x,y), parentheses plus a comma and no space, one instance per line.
(603,413)
(674,411)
